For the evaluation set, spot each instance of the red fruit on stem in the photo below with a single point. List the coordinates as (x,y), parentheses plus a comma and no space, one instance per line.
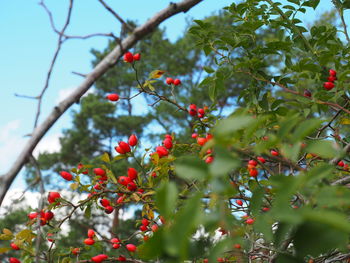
(75,251)
(201,111)
(115,240)
(168,136)
(99,171)
(125,147)
(332,79)
(132,186)
(116,246)
(341,163)
(112,97)
(120,200)
(332,73)
(14,246)
(177,82)
(124,180)
(131,247)
(121,258)
(133,140)
(194,135)
(132,173)
(328,85)
(48,215)
(109,209)
(91,233)
(169,81)
(143,228)
(192,112)
(168,143)
(32,215)
(67,176)
(253,162)
(237,246)
(154,228)
(253,172)
(128,57)
(162,151)
(14,260)
(99,258)
(250,221)
(53,196)
(201,141)
(239,202)
(89,241)
(274,153)
(119,150)
(209,159)
(261,159)
(137,56)
(105,202)
(81,166)
(265,209)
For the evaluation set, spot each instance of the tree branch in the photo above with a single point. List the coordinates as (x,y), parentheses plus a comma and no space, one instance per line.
(109,61)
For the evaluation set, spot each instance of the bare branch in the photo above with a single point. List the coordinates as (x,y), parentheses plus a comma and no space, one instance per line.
(116,15)
(105,64)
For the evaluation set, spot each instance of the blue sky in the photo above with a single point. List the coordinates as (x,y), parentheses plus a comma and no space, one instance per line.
(27,45)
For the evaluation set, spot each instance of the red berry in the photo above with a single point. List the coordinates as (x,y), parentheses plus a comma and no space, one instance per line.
(14,260)
(133,140)
(201,141)
(169,81)
(332,73)
(124,180)
(253,172)
(132,186)
(121,258)
(201,111)
(193,107)
(112,97)
(120,200)
(91,233)
(168,143)
(205,260)
(48,215)
(220,260)
(261,159)
(192,112)
(116,246)
(332,79)
(341,163)
(154,228)
(128,57)
(32,215)
(109,209)
(250,221)
(137,56)
(168,136)
(131,247)
(115,240)
(99,258)
(14,246)
(237,246)
(162,151)
(67,176)
(81,166)
(125,147)
(104,202)
(177,82)
(75,251)
(99,171)
(307,93)
(194,135)
(132,173)
(209,159)
(274,153)
(265,209)
(252,162)
(328,85)
(89,241)
(50,239)
(239,202)
(53,196)
(119,150)
(143,228)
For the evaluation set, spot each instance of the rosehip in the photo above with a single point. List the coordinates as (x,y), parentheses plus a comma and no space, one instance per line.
(131,247)
(128,57)
(75,251)
(32,215)
(133,140)
(162,151)
(91,233)
(105,202)
(14,260)
(328,85)
(154,228)
(145,222)
(137,56)
(237,246)
(89,241)
(168,143)
(194,135)
(81,166)
(67,176)
(332,73)
(124,180)
(116,246)
(115,240)
(209,159)
(169,81)
(250,221)
(119,150)
(48,215)
(120,200)
(332,79)
(201,141)
(109,209)
(261,159)
(168,136)
(112,97)
(121,258)
(192,112)
(253,172)
(53,196)
(253,162)
(209,136)
(274,153)
(177,82)
(239,202)
(14,246)
(125,147)
(201,111)
(132,186)
(265,209)
(132,173)
(99,171)
(99,258)
(341,164)
(143,228)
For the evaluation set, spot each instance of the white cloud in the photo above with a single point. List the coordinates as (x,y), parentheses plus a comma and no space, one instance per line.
(65,93)
(50,143)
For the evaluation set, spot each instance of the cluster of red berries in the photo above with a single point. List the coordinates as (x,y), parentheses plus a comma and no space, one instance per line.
(203,140)
(163,151)
(331,78)
(248,220)
(145,226)
(171,81)
(253,171)
(129,181)
(107,205)
(102,178)
(129,57)
(193,111)
(124,147)
(44,217)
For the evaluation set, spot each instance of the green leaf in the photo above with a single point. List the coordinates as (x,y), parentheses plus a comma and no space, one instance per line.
(224,162)
(232,124)
(256,201)
(4,250)
(87,212)
(189,167)
(105,158)
(166,198)
(305,128)
(322,148)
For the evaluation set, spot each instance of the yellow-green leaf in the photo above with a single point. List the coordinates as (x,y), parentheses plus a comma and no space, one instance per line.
(74,186)
(156,74)
(25,234)
(7,232)
(4,249)
(105,158)
(345,121)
